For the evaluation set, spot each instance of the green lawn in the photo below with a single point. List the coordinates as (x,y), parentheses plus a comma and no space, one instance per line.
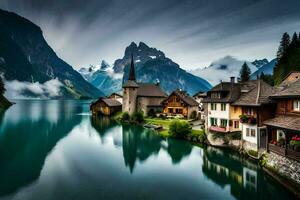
(157,121)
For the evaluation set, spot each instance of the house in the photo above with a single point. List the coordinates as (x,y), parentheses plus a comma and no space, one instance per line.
(199,96)
(180,103)
(145,97)
(105,106)
(221,116)
(283,131)
(116,96)
(255,107)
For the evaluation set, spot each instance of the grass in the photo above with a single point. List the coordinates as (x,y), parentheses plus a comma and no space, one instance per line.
(197,132)
(163,122)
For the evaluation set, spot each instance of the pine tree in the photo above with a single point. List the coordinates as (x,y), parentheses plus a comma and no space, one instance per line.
(2,88)
(245,73)
(294,40)
(284,45)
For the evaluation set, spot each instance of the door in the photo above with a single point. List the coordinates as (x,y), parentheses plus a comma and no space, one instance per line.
(262,139)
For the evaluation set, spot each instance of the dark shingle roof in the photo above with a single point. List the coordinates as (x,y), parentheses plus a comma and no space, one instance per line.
(229,91)
(255,93)
(150,90)
(185,97)
(292,90)
(111,102)
(287,122)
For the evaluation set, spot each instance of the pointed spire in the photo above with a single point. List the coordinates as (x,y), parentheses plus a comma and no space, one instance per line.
(131,72)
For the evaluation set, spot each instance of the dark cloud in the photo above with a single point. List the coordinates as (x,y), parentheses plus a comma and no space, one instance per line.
(192,32)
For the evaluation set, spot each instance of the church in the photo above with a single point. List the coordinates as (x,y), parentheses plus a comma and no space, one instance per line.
(145,97)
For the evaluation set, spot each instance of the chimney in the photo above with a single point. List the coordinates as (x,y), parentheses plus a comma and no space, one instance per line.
(232,79)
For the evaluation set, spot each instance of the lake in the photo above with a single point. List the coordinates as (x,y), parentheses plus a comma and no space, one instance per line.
(57,150)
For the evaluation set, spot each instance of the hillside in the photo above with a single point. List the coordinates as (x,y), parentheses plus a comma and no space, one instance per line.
(26,57)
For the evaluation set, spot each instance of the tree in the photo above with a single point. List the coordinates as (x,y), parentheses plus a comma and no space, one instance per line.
(2,88)
(179,128)
(294,40)
(245,73)
(284,45)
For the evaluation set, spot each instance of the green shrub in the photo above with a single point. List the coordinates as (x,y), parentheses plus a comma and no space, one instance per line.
(180,128)
(253,153)
(138,117)
(125,116)
(235,136)
(194,115)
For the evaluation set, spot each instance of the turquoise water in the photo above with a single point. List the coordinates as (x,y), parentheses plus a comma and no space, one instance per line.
(56,150)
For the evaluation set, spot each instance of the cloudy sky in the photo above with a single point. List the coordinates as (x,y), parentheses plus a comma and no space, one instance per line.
(191,32)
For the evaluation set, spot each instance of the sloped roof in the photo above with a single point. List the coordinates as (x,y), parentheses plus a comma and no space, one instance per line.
(150,90)
(111,102)
(185,97)
(292,90)
(287,122)
(230,92)
(255,93)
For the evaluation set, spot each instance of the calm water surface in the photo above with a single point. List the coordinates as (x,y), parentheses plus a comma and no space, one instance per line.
(56,150)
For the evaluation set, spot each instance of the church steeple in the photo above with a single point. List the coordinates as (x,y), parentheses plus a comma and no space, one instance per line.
(131,72)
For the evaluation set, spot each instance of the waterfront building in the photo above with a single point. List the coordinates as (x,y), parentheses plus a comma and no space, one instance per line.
(179,103)
(145,97)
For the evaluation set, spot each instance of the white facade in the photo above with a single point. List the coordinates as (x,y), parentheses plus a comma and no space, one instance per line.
(218,114)
(249,133)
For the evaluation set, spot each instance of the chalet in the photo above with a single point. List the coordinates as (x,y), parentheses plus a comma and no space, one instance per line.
(199,96)
(180,103)
(143,97)
(283,131)
(105,106)
(221,116)
(116,96)
(255,107)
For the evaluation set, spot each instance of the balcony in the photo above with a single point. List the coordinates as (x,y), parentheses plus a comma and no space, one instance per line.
(286,152)
(248,119)
(218,129)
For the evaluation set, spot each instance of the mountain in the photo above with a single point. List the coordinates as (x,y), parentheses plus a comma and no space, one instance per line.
(26,58)
(222,69)
(260,63)
(151,65)
(266,69)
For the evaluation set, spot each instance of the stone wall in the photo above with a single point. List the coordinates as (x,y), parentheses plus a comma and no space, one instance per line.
(285,166)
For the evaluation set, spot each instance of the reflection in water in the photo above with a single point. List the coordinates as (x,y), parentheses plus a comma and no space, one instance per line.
(54,150)
(24,147)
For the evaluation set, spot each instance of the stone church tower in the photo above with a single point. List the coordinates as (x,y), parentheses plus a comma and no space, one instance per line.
(130,89)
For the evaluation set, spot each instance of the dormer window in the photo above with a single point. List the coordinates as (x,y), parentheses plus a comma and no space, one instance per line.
(296,105)
(216,95)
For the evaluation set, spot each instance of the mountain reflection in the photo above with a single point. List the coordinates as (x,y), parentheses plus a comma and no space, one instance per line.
(28,132)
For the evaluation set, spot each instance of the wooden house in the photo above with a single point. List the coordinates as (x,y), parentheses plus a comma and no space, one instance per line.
(284,129)
(255,107)
(105,106)
(180,103)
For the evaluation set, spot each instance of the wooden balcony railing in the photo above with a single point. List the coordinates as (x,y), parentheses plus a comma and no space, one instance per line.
(218,129)
(285,152)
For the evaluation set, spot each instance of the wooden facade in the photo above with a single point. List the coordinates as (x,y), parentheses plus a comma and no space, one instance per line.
(179,103)
(105,106)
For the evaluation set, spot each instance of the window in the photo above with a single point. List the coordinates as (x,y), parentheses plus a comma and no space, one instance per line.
(250,132)
(170,110)
(253,133)
(215,95)
(235,109)
(296,105)
(247,132)
(213,121)
(236,124)
(223,106)
(213,106)
(248,111)
(223,122)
